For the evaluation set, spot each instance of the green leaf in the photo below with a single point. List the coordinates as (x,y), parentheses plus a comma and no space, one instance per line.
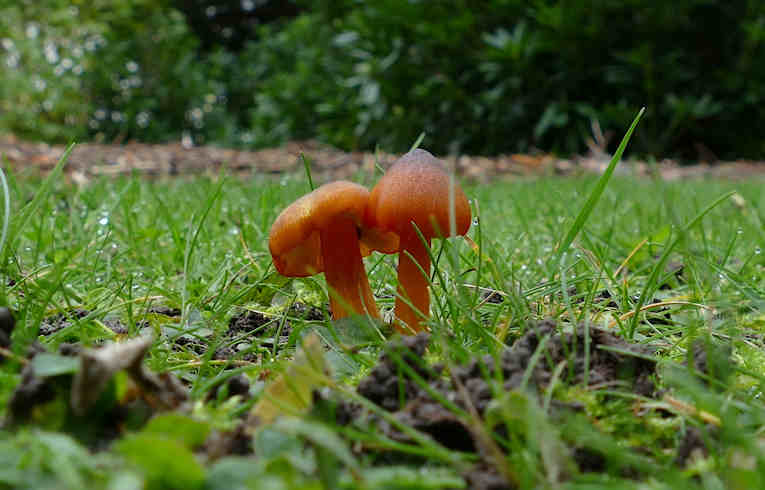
(319,435)
(234,473)
(46,365)
(357,330)
(409,478)
(185,430)
(264,291)
(165,462)
(37,459)
(657,239)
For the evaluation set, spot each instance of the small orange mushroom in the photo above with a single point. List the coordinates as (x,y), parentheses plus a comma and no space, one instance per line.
(415,190)
(320,233)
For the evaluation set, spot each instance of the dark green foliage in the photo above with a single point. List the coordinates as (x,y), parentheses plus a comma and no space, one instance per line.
(486,77)
(508,75)
(231,23)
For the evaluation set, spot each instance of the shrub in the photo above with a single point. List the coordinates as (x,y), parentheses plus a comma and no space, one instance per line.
(509,75)
(103,69)
(484,77)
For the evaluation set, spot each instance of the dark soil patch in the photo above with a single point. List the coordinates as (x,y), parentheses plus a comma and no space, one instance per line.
(235,352)
(236,343)
(308,312)
(164,310)
(226,443)
(59,321)
(691,445)
(189,342)
(493,297)
(392,383)
(235,385)
(69,350)
(712,360)
(610,359)
(31,391)
(255,325)
(484,477)
(251,322)
(605,299)
(116,326)
(676,269)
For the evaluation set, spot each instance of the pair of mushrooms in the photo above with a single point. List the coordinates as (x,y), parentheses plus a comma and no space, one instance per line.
(331,228)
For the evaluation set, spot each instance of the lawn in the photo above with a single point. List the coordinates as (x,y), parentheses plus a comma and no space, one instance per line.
(633,358)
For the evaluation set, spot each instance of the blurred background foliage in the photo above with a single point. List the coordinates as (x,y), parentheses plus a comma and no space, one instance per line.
(478,76)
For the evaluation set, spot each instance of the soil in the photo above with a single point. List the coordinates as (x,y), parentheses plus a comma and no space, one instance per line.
(712,360)
(611,360)
(89,160)
(243,330)
(59,321)
(226,443)
(250,322)
(692,445)
(165,310)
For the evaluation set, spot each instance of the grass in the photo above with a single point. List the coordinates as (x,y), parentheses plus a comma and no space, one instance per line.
(117,249)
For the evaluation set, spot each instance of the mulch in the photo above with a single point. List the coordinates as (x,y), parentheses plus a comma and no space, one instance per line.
(91,160)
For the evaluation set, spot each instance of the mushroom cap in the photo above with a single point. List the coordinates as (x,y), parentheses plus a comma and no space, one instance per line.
(294,240)
(416,188)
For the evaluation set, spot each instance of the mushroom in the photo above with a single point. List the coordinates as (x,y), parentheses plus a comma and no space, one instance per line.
(320,232)
(415,191)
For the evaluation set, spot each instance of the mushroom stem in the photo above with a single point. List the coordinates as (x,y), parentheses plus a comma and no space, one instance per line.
(349,291)
(412,284)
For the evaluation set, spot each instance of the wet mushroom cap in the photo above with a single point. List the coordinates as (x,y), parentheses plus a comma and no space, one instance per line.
(295,237)
(416,188)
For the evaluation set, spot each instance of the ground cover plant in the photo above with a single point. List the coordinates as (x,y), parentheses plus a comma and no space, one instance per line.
(574,342)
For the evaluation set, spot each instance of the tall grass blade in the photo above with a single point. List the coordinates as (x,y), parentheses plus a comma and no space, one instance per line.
(417,142)
(307,166)
(597,191)
(44,191)
(6,210)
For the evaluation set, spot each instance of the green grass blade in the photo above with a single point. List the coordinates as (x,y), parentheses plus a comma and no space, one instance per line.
(307,166)
(597,191)
(417,142)
(6,210)
(43,192)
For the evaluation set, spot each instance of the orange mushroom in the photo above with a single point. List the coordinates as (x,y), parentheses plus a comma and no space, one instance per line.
(415,190)
(320,232)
